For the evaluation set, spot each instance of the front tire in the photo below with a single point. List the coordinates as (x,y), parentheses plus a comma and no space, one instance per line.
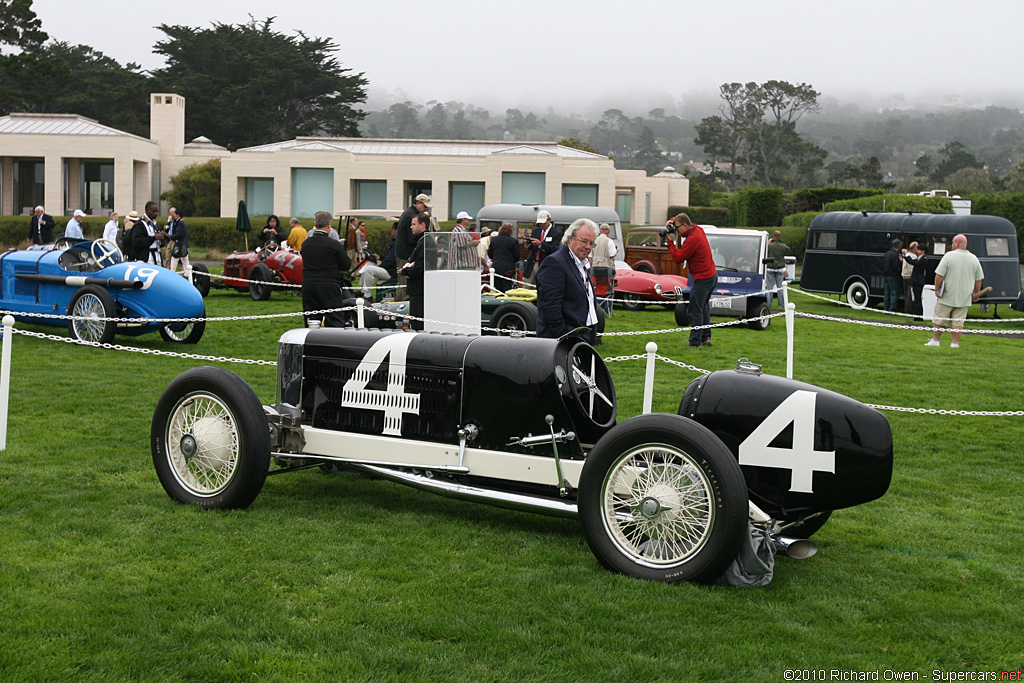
(661,498)
(632,302)
(260,278)
(760,314)
(201,279)
(210,440)
(91,303)
(682,315)
(857,295)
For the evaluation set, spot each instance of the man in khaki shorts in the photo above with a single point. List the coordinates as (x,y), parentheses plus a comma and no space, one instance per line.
(957,284)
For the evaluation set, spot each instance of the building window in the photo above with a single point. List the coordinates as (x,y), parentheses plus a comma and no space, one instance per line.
(97,187)
(624,206)
(522,188)
(579,195)
(647,209)
(312,191)
(468,197)
(414,188)
(28,186)
(370,194)
(259,196)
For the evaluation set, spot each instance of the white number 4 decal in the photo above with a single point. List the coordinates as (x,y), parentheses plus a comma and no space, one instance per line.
(802,460)
(393,401)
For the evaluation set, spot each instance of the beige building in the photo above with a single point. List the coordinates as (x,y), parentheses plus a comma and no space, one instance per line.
(66,162)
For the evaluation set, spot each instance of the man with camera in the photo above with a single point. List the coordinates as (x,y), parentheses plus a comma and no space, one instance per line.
(703,275)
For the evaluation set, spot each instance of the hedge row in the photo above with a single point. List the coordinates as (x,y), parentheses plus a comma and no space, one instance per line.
(800,220)
(703,215)
(893,203)
(814,199)
(203,233)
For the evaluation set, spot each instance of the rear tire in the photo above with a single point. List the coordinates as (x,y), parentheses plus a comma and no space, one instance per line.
(661,498)
(514,318)
(260,277)
(760,312)
(857,295)
(210,440)
(184,333)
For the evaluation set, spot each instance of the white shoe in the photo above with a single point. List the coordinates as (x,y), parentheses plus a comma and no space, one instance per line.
(932,342)
(954,346)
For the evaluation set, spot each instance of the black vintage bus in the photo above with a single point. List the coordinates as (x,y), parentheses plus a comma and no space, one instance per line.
(845,250)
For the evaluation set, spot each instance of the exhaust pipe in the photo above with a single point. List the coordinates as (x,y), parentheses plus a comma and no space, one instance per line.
(797,548)
(553,507)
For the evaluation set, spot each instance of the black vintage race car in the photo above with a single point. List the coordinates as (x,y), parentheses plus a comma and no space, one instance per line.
(666,497)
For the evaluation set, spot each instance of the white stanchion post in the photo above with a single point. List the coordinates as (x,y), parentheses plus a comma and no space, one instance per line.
(492,277)
(5,377)
(652,349)
(790,316)
(359,313)
(784,294)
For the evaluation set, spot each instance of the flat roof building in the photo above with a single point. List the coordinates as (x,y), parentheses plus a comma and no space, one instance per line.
(65,162)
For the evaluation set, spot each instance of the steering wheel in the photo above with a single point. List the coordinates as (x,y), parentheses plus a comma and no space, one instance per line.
(268,249)
(64,242)
(104,252)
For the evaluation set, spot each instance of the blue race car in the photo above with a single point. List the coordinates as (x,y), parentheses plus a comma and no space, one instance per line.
(90,280)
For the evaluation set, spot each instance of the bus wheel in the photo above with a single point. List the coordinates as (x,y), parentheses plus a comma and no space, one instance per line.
(857,295)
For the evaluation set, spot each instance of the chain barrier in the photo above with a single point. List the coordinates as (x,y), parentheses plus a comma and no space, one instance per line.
(916,328)
(739,321)
(898,313)
(152,352)
(165,321)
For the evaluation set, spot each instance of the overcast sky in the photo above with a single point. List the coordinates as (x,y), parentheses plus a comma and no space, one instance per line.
(570,55)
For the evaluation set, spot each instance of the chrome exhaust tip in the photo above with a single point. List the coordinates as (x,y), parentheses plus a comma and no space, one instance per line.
(797,548)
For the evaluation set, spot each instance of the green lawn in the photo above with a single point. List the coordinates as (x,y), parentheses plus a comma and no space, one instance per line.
(335,577)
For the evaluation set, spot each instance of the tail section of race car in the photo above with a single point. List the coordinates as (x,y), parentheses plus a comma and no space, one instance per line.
(804,451)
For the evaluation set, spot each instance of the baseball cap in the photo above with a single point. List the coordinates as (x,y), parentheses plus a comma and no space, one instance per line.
(423,199)
(543,217)
(79,213)
(463,214)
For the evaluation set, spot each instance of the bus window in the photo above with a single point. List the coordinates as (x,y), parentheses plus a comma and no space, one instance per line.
(937,246)
(825,240)
(873,242)
(997,246)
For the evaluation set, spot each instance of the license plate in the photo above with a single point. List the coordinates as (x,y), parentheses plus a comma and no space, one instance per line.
(721,303)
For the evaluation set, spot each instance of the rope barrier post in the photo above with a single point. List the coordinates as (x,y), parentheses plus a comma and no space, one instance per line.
(491,270)
(359,313)
(5,377)
(652,349)
(790,316)
(784,294)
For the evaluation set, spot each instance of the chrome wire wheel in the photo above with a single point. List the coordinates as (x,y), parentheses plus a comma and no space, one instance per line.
(657,506)
(202,444)
(90,309)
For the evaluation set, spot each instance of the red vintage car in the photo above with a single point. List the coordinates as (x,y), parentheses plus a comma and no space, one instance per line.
(636,288)
(261,271)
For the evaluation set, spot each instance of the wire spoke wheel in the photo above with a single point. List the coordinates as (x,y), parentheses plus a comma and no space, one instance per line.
(657,506)
(88,308)
(202,444)
(210,441)
(661,498)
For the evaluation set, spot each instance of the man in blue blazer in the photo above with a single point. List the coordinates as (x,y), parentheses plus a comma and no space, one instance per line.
(565,291)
